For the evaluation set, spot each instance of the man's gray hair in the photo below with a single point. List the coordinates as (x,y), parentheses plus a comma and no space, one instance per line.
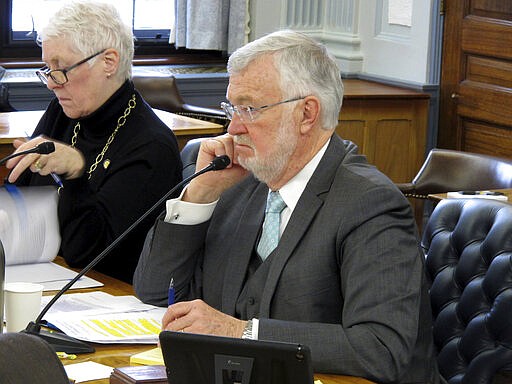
(89,27)
(305,68)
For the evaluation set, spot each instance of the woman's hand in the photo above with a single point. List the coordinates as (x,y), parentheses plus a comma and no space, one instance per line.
(65,160)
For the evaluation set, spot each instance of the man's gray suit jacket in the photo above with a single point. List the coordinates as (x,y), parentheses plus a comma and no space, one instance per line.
(347,278)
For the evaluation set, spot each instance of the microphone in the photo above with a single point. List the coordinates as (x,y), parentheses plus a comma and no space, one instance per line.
(62,342)
(44,148)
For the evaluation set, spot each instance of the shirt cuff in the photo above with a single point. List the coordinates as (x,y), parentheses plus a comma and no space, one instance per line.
(186,213)
(255,326)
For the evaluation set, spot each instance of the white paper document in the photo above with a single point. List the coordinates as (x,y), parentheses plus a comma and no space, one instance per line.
(102,318)
(87,371)
(491,195)
(52,276)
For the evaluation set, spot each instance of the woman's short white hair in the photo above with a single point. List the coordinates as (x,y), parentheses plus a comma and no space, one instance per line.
(91,26)
(305,68)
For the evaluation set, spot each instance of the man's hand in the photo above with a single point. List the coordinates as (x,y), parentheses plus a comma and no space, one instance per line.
(209,186)
(198,317)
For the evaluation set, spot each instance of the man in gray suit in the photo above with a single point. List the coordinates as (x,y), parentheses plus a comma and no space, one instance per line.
(347,276)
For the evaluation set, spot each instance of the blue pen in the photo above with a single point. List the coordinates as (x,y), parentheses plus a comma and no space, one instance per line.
(170,298)
(57,179)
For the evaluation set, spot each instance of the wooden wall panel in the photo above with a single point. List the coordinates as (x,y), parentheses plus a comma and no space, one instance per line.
(484,102)
(489,71)
(390,129)
(475,110)
(394,153)
(487,139)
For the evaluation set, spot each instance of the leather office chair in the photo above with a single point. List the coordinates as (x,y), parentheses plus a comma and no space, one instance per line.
(468,249)
(161,92)
(447,170)
(189,156)
(5,106)
(28,359)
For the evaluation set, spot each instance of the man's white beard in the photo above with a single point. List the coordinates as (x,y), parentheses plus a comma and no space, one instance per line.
(273,165)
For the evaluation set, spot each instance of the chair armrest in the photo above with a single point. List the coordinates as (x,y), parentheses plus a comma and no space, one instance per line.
(203,113)
(203,110)
(409,190)
(405,187)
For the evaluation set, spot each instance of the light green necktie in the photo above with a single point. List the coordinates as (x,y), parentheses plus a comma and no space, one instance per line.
(270,234)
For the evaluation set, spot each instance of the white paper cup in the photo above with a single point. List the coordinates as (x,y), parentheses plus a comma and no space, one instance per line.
(22,304)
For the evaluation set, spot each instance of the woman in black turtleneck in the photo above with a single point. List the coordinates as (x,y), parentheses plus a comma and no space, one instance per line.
(114,156)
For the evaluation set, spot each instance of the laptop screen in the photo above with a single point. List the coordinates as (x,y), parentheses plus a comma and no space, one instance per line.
(204,359)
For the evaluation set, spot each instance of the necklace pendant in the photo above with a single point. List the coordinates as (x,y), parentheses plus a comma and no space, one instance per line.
(106,163)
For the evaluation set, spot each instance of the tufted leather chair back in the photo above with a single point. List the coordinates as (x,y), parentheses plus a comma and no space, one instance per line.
(468,249)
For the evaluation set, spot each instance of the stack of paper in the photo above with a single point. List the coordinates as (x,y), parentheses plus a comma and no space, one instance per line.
(150,357)
(29,228)
(102,318)
(52,276)
(29,232)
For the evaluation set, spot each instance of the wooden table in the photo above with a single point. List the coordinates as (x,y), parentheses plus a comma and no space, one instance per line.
(440,196)
(21,124)
(118,355)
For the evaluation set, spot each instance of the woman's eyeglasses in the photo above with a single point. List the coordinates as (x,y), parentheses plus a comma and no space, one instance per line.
(59,76)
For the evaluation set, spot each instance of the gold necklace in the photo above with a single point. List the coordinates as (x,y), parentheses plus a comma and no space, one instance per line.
(120,122)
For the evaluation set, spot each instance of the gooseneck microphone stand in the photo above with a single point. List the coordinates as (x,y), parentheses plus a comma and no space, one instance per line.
(62,342)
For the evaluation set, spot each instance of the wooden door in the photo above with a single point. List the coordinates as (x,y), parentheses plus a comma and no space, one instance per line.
(476,77)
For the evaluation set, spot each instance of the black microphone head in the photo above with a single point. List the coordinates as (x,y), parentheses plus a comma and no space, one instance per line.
(45,147)
(220,162)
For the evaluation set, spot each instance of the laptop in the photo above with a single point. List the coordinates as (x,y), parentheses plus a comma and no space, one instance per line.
(203,359)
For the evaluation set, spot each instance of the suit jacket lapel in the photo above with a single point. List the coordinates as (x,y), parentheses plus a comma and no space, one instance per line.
(308,205)
(297,226)
(243,245)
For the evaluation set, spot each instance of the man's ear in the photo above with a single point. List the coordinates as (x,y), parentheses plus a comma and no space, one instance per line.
(111,61)
(310,114)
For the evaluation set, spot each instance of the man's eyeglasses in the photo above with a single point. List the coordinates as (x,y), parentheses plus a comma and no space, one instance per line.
(246,113)
(59,76)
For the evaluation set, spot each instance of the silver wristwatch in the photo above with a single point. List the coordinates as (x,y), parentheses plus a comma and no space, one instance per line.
(247,333)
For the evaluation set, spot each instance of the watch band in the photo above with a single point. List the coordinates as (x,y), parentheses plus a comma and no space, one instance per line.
(247,333)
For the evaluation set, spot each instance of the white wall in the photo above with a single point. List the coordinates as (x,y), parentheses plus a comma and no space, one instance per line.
(357,32)
(395,51)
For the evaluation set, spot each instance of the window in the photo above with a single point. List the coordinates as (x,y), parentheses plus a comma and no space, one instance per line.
(151,21)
